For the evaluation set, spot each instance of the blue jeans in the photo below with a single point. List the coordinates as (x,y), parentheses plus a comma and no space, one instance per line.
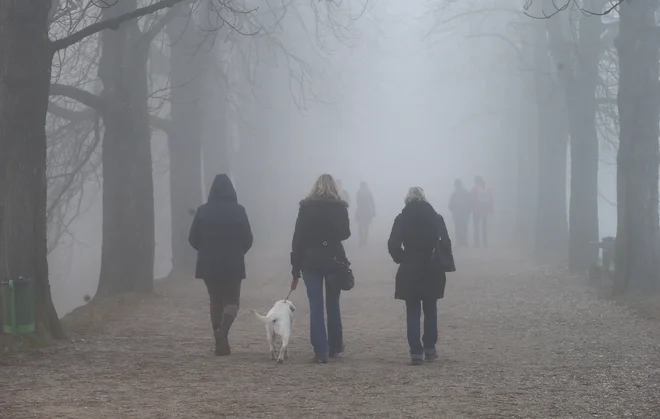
(419,344)
(332,342)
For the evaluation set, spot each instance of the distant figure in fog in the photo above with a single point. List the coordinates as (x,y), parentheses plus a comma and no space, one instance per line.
(365,213)
(482,207)
(342,192)
(321,226)
(222,236)
(460,205)
(419,282)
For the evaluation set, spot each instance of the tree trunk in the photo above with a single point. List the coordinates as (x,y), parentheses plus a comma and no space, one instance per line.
(190,62)
(526,179)
(582,108)
(254,182)
(636,257)
(127,259)
(25,62)
(215,144)
(551,238)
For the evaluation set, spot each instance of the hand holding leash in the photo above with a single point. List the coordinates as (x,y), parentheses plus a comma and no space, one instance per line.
(294,285)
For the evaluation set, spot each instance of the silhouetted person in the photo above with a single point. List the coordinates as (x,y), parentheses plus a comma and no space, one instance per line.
(482,207)
(222,236)
(342,192)
(460,205)
(419,283)
(321,226)
(365,213)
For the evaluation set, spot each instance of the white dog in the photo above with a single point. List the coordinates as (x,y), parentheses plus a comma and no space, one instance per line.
(278,322)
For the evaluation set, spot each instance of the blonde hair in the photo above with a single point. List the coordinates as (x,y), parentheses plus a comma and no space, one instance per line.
(415,194)
(325,187)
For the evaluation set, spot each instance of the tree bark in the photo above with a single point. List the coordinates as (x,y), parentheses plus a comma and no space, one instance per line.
(25,62)
(551,238)
(127,258)
(216,155)
(189,65)
(577,68)
(527,176)
(636,257)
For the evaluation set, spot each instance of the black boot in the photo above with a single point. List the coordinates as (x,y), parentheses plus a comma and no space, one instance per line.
(216,322)
(221,333)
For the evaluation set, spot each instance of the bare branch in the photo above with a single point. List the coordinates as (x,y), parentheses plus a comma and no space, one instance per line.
(82,96)
(111,24)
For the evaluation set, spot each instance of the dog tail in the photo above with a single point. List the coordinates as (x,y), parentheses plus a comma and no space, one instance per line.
(261,318)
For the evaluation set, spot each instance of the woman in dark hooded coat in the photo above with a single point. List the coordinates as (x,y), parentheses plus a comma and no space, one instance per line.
(419,281)
(222,236)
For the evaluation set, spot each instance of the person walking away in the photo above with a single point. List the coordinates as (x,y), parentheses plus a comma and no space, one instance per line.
(342,192)
(460,204)
(321,226)
(366,211)
(221,234)
(419,282)
(482,207)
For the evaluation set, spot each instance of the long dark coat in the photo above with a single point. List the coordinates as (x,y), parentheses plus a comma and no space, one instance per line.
(221,234)
(414,235)
(321,226)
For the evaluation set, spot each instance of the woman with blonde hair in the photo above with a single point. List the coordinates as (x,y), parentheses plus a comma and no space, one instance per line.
(416,233)
(321,226)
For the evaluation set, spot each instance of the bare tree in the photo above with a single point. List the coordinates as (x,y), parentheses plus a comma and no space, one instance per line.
(25,63)
(638,156)
(576,55)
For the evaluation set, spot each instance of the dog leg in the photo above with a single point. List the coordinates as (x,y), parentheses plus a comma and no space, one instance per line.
(286,348)
(271,343)
(285,344)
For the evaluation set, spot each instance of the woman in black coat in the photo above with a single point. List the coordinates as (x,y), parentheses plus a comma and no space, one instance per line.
(419,281)
(222,236)
(321,227)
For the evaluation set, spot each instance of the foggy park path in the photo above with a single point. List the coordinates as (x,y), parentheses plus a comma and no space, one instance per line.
(514,342)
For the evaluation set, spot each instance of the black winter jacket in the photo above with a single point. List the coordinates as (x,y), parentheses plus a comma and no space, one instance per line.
(221,234)
(417,229)
(321,226)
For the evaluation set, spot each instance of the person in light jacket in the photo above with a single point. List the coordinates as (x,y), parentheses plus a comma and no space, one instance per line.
(365,213)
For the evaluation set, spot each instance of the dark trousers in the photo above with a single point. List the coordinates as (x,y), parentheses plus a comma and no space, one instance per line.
(420,344)
(480,229)
(329,343)
(225,297)
(363,232)
(461,222)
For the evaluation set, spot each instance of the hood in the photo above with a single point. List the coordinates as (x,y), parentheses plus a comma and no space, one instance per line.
(323,201)
(222,190)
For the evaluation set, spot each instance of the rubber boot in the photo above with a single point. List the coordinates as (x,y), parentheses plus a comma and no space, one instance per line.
(216,323)
(221,336)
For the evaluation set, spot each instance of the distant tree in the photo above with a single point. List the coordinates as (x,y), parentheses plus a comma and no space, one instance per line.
(638,159)
(576,56)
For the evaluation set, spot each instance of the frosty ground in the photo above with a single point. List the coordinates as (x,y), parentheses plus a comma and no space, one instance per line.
(516,341)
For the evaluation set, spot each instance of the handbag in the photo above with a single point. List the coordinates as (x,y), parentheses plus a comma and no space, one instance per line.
(344,274)
(443,257)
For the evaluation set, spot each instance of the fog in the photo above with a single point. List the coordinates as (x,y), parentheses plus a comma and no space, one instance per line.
(411,94)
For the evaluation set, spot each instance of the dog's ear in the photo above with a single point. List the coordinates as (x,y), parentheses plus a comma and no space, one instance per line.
(291,306)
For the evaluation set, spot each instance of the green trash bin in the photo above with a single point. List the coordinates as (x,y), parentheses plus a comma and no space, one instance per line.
(17,306)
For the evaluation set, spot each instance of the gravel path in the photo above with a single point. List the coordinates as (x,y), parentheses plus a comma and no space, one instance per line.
(515,342)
